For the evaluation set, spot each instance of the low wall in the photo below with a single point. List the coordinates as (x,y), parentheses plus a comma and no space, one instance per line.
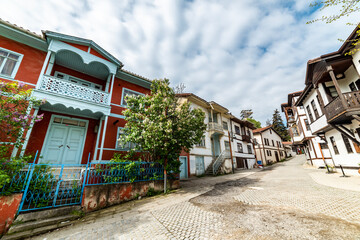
(8,208)
(100,196)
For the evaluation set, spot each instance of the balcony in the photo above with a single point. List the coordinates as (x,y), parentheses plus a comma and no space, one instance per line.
(64,88)
(336,112)
(215,127)
(246,138)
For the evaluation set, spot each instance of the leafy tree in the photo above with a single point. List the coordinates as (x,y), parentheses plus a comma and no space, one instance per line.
(161,126)
(257,124)
(346,8)
(279,126)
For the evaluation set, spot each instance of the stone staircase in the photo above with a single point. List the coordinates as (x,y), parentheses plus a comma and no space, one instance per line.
(38,222)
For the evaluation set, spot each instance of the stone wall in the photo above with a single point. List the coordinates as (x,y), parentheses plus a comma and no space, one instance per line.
(101,196)
(8,208)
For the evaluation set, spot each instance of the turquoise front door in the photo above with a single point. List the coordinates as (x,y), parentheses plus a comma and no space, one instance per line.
(183,167)
(215,142)
(200,168)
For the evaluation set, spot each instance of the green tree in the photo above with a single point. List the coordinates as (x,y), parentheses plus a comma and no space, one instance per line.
(161,126)
(344,8)
(279,126)
(257,124)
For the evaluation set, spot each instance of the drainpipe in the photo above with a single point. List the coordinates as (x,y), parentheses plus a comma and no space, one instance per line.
(231,156)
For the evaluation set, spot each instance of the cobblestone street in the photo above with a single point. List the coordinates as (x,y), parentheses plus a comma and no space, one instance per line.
(280,202)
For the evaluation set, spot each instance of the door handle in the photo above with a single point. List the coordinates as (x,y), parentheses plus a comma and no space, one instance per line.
(61,146)
(68,146)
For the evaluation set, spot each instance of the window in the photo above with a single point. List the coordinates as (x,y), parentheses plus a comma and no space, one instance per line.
(347,144)
(227,145)
(120,144)
(352,87)
(249,148)
(281,154)
(225,125)
(315,109)
(269,153)
(273,143)
(270,131)
(266,142)
(202,142)
(76,80)
(332,91)
(301,107)
(239,147)
(237,130)
(324,146)
(128,92)
(213,118)
(295,131)
(310,114)
(248,132)
(9,62)
(333,143)
(307,125)
(357,83)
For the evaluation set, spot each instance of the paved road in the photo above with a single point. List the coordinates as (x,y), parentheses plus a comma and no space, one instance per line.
(280,202)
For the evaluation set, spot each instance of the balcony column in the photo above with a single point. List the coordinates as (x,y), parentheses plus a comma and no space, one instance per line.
(28,133)
(103,137)
(112,87)
(43,69)
(321,101)
(51,64)
(336,84)
(97,140)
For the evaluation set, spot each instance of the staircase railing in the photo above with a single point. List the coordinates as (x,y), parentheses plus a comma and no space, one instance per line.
(219,161)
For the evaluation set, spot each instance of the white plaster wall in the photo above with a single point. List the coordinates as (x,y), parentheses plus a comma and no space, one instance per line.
(273,136)
(356,59)
(319,123)
(350,76)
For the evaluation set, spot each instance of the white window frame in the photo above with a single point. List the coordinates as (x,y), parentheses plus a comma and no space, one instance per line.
(128,145)
(122,95)
(16,68)
(202,142)
(67,78)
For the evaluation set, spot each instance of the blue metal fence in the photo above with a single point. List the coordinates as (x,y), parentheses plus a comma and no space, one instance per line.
(54,185)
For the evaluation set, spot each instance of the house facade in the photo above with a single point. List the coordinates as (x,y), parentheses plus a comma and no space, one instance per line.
(213,153)
(331,101)
(268,147)
(242,142)
(301,136)
(84,87)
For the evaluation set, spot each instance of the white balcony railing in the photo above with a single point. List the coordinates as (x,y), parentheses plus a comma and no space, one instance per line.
(213,126)
(65,88)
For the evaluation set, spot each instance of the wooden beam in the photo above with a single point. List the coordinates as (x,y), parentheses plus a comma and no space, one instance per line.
(345,133)
(336,84)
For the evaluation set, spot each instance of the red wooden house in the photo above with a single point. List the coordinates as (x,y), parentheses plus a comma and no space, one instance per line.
(84,87)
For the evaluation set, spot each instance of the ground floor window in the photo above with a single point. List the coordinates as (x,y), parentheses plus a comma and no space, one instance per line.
(333,143)
(269,153)
(347,144)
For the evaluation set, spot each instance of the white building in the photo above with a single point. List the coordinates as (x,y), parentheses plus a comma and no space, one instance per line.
(268,146)
(331,99)
(212,155)
(301,136)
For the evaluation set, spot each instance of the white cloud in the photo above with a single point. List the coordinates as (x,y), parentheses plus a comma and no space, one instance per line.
(241,54)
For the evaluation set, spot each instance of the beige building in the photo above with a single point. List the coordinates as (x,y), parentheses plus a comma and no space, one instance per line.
(268,145)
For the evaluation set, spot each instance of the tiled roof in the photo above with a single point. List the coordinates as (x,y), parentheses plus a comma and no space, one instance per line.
(261,129)
(21,29)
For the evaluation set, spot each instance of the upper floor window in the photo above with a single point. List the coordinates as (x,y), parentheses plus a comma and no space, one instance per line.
(352,87)
(333,143)
(77,80)
(310,113)
(9,62)
(213,117)
(249,148)
(295,131)
(307,125)
(239,147)
(315,109)
(201,143)
(237,130)
(128,92)
(225,125)
(227,145)
(270,131)
(266,141)
(273,143)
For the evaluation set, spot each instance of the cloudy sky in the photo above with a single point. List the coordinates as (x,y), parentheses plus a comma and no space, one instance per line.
(242,54)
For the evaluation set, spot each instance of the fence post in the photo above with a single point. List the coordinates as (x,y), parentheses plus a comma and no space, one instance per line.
(58,185)
(27,182)
(27,174)
(85,179)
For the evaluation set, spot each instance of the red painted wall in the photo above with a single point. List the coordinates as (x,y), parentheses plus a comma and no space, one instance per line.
(79,75)
(81,47)
(32,62)
(38,134)
(8,208)
(95,53)
(118,87)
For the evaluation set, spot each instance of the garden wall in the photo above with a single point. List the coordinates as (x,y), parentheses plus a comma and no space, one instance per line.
(100,196)
(8,208)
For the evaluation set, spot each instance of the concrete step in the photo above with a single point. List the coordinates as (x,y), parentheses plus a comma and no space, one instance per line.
(46,214)
(21,227)
(36,231)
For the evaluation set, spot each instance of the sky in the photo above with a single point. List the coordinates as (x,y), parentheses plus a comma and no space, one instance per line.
(241,54)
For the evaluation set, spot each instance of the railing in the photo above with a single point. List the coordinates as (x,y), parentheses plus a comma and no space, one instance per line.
(62,87)
(219,161)
(54,185)
(213,126)
(335,107)
(246,138)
